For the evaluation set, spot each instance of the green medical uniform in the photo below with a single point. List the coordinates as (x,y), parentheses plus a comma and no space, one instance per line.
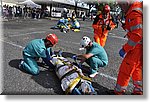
(34,49)
(99,58)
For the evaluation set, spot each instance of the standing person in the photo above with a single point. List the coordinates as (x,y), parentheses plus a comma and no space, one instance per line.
(25,12)
(101,25)
(64,13)
(10,14)
(38,48)
(116,19)
(132,51)
(95,55)
(73,15)
(14,12)
(83,17)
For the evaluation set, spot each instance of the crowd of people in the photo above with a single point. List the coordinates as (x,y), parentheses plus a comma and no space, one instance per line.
(12,12)
(96,56)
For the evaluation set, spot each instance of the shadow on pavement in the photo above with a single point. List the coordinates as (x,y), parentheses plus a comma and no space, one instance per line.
(46,78)
(49,80)
(15,64)
(102,90)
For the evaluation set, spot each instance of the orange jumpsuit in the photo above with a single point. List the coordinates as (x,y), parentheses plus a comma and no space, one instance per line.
(101,27)
(132,64)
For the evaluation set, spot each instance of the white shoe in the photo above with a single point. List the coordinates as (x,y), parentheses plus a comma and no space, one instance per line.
(64,31)
(81,49)
(93,75)
(20,64)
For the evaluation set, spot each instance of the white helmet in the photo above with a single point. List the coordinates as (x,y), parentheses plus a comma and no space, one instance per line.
(85,41)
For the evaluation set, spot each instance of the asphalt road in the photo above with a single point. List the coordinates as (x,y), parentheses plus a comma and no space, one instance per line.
(16,34)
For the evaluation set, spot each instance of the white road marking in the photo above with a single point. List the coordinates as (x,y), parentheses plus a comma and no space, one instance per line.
(118,37)
(27,33)
(107,76)
(122,38)
(112,78)
(13,44)
(112,35)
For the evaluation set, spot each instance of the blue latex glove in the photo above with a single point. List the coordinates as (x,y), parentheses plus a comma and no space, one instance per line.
(122,53)
(60,53)
(48,56)
(74,57)
(80,65)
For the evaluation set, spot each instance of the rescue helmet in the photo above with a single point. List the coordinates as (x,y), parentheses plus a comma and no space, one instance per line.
(106,9)
(52,38)
(73,17)
(69,19)
(85,41)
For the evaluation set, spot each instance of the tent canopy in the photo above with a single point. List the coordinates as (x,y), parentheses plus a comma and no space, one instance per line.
(30,3)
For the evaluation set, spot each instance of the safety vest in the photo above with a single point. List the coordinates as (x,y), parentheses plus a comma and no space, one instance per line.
(103,21)
(134,25)
(101,25)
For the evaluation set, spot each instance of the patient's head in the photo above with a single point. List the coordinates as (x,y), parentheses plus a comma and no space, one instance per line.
(85,88)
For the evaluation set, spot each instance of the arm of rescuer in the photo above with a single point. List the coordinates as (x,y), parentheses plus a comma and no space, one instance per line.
(94,25)
(112,24)
(84,57)
(135,36)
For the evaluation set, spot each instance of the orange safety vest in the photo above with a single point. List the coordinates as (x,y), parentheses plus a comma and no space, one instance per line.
(134,26)
(100,29)
(101,25)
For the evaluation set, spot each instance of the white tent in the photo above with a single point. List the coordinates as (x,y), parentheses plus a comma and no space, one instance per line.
(30,3)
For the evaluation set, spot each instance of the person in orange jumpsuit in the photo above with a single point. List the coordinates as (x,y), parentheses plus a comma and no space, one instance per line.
(132,51)
(101,25)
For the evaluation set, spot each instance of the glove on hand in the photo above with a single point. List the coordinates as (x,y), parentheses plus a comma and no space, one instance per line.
(74,57)
(108,27)
(122,53)
(80,65)
(48,57)
(60,53)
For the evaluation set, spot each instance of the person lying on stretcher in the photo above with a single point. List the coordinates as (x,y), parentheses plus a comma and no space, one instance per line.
(72,79)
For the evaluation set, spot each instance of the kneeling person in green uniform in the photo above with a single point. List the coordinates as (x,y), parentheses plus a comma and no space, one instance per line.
(38,48)
(95,55)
